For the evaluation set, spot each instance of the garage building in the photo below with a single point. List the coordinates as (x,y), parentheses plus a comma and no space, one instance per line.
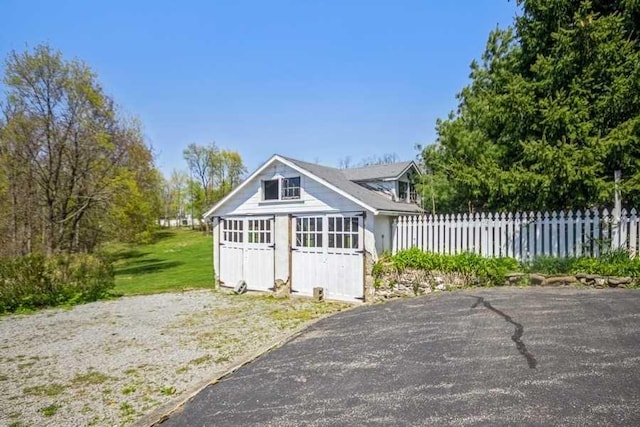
(310,225)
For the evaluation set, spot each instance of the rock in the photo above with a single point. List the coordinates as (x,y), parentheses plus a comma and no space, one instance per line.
(586,276)
(281,288)
(622,286)
(441,287)
(615,281)
(536,279)
(559,280)
(514,278)
(600,281)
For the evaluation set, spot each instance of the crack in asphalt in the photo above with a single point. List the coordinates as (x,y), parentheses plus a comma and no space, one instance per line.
(517,334)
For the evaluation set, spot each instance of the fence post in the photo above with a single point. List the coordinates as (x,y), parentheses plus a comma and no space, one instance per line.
(579,238)
(633,233)
(569,227)
(554,233)
(521,237)
(595,237)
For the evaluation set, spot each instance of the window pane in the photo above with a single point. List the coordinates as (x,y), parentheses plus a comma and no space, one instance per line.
(354,224)
(331,241)
(339,224)
(298,239)
(347,224)
(312,225)
(271,189)
(338,241)
(347,240)
(312,240)
(319,224)
(319,240)
(331,224)
(354,241)
(291,188)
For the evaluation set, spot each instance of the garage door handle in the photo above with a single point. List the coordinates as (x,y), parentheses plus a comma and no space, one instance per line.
(272,246)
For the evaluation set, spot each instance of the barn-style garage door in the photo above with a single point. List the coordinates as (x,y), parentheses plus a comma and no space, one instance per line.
(247,252)
(327,251)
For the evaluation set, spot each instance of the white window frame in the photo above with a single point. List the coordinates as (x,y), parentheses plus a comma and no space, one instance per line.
(282,189)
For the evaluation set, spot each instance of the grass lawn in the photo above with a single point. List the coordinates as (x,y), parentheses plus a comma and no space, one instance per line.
(178,259)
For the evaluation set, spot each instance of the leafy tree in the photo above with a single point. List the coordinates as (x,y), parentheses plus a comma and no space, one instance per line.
(64,152)
(214,173)
(552,110)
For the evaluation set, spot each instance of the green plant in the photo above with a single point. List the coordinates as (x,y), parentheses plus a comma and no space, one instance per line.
(90,378)
(34,281)
(45,390)
(49,411)
(473,267)
(168,390)
(129,389)
(126,409)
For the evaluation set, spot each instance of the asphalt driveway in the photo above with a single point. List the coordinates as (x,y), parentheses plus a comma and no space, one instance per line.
(500,356)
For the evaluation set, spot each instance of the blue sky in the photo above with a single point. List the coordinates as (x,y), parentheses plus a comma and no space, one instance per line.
(310,79)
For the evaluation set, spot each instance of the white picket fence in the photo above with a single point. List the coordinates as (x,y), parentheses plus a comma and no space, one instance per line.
(523,236)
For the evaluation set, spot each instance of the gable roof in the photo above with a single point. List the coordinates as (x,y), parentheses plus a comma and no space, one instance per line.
(378,172)
(336,180)
(339,178)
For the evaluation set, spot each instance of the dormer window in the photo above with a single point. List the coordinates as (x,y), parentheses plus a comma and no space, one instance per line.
(270,189)
(407,192)
(281,189)
(402,191)
(291,188)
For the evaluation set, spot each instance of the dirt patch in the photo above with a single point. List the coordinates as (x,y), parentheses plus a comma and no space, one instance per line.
(112,362)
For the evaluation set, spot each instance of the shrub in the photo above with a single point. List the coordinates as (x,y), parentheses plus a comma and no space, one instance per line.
(612,263)
(33,281)
(488,271)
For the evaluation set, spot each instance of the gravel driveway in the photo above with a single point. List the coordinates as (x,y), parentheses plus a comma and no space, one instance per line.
(111,362)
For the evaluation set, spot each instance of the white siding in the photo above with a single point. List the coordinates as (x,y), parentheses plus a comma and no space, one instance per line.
(369,236)
(216,252)
(282,247)
(314,197)
(382,233)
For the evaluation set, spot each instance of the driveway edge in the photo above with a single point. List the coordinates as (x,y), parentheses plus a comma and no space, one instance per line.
(164,411)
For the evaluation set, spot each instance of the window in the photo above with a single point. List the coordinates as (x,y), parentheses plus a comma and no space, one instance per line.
(281,189)
(271,189)
(232,230)
(309,232)
(402,191)
(291,188)
(259,231)
(413,194)
(343,232)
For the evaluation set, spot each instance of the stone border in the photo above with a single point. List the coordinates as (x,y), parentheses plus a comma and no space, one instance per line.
(414,282)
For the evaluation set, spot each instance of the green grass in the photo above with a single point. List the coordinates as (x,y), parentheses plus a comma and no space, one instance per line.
(176,260)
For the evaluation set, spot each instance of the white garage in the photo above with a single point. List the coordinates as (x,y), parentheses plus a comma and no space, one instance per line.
(310,225)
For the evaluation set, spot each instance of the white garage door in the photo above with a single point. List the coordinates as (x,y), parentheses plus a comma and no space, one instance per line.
(247,252)
(327,251)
